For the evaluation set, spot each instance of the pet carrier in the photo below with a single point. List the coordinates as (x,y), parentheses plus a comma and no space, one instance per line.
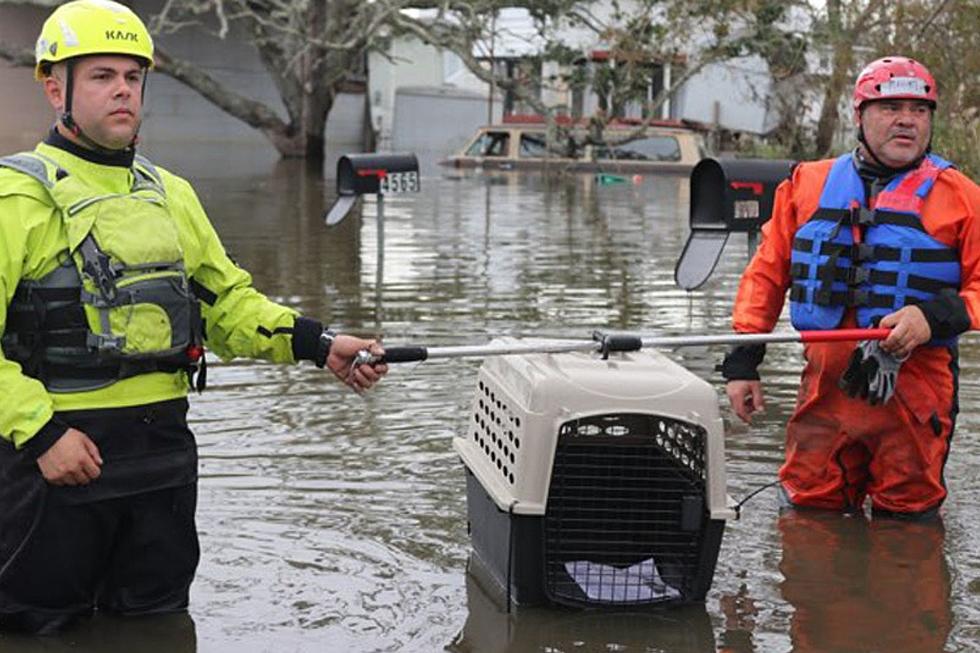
(595,482)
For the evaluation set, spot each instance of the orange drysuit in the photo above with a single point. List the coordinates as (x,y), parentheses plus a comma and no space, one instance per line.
(840,449)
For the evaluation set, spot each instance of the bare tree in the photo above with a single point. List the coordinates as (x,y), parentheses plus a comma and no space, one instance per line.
(846,25)
(943,34)
(310,47)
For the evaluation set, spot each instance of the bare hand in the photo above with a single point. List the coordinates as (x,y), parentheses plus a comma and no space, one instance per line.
(745,398)
(909,330)
(341,362)
(72,460)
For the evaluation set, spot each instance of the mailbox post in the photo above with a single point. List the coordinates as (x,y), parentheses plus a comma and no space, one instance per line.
(726,196)
(373,174)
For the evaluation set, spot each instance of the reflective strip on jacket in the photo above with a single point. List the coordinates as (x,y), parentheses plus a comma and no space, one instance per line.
(240,321)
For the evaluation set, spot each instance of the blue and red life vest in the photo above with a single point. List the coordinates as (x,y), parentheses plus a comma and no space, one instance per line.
(894,263)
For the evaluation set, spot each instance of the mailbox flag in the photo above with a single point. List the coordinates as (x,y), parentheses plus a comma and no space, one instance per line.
(340,209)
(699,258)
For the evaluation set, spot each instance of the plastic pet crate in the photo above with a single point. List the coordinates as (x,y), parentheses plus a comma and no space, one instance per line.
(595,483)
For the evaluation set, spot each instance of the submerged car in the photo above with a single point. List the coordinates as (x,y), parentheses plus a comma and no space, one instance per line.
(666,149)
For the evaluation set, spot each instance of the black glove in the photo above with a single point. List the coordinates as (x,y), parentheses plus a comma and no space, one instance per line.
(871,374)
(854,380)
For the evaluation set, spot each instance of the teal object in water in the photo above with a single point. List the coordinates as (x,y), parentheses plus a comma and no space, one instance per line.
(604,179)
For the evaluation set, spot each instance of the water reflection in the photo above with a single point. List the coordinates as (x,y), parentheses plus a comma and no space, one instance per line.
(491,628)
(865,585)
(740,611)
(173,633)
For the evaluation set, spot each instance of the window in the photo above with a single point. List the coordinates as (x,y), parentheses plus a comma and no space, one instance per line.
(533,145)
(650,148)
(490,144)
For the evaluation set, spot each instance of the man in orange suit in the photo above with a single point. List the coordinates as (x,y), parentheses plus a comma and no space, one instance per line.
(885,235)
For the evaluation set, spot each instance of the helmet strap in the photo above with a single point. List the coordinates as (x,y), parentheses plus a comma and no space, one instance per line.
(869,150)
(66,118)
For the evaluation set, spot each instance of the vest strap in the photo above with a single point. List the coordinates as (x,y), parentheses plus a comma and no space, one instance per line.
(46,294)
(853,297)
(856,275)
(29,164)
(63,317)
(864,217)
(864,252)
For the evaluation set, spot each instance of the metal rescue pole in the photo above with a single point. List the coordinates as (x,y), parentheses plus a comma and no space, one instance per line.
(606,343)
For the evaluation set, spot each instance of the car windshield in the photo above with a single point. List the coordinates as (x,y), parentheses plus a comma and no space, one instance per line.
(490,144)
(533,145)
(649,148)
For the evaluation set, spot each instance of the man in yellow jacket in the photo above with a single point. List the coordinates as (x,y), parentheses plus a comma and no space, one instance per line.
(113,279)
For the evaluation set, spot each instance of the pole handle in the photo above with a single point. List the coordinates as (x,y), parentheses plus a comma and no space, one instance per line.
(406,354)
(844,335)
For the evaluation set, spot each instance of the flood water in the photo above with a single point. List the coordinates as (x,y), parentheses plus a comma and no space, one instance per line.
(333,522)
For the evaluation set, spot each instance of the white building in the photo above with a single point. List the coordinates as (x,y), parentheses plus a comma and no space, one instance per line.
(737,95)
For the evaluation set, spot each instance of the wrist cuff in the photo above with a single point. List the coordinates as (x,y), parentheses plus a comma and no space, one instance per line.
(742,362)
(45,437)
(306,338)
(946,314)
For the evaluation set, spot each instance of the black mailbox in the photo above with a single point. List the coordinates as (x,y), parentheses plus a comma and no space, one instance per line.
(726,196)
(378,174)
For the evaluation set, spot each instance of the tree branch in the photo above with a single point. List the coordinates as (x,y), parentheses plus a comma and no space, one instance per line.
(16,56)
(253,113)
(50,4)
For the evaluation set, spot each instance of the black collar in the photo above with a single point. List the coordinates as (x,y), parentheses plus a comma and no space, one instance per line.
(119,158)
(875,177)
(871,168)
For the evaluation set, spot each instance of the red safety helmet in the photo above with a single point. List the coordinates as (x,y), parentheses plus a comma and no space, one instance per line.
(898,78)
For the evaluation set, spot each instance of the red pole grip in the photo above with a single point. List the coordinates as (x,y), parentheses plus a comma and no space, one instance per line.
(844,335)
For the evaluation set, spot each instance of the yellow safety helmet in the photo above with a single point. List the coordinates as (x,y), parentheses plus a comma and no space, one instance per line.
(86,27)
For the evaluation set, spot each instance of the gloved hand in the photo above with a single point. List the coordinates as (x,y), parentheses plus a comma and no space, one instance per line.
(871,373)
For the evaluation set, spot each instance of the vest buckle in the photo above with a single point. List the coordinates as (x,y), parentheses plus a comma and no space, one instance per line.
(861,252)
(105,344)
(861,216)
(96,264)
(856,275)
